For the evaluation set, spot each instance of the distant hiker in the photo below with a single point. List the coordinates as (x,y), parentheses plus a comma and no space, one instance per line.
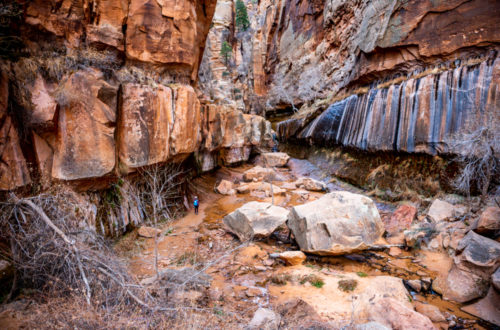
(196,203)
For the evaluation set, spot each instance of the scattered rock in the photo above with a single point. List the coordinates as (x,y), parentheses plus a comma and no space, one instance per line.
(489,222)
(260,187)
(298,314)
(391,313)
(275,159)
(401,219)
(338,223)
(301,194)
(310,184)
(487,308)
(463,286)
(225,188)
(292,258)
(243,189)
(416,285)
(426,283)
(398,239)
(255,219)
(395,251)
(253,292)
(413,236)
(439,285)
(190,278)
(431,311)
(264,319)
(148,232)
(477,257)
(258,173)
(478,253)
(441,210)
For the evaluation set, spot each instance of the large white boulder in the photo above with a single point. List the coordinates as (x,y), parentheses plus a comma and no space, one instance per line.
(258,173)
(338,223)
(441,210)
(310,184)
(275,159)
(255,219)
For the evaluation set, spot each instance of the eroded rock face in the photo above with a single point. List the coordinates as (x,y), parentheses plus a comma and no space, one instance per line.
(255,219)
(337,223)
(168,32)
(107,88)
(85,145)
(144,125)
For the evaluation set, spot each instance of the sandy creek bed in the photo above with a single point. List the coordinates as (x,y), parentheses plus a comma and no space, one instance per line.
(244,277)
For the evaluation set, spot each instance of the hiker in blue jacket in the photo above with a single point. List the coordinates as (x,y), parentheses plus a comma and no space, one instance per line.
(196,203)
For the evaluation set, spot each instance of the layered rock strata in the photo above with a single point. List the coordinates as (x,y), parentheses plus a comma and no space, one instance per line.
(417,115)
(424,56)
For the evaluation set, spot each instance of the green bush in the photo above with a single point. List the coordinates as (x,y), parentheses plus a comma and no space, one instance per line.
(242,16)
(226,51)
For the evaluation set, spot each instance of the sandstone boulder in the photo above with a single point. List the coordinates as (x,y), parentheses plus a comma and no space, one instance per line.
(487,308)
(489,222)
(264,319)
(144,125)
(264,187)
(431,311)
(148,232)
(255,219)
(292,258)
(478,253)
(441,210)
(87,106)
(310,184)
(391,313)
(185,135)
(401,219)
(275,159)
(338,223)
(476,259)
(225,188)
(258,173)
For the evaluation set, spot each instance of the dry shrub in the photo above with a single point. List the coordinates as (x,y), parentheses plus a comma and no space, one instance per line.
(52,253)
(477,148)
(78,281)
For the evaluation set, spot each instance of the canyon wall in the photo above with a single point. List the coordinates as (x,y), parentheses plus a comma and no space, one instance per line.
(106,87)
(370,74)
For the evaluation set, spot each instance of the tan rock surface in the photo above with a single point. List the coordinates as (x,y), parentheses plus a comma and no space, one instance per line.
(292,258)
(144,125)
(337,223)
(85,146)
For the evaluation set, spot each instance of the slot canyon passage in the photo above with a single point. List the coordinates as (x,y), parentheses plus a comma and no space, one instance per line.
(345,156)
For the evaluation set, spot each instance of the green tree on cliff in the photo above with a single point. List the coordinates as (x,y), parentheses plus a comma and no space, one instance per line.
(226,51)
(242,16)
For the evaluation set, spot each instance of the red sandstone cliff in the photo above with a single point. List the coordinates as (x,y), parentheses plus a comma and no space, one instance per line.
(106,87)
